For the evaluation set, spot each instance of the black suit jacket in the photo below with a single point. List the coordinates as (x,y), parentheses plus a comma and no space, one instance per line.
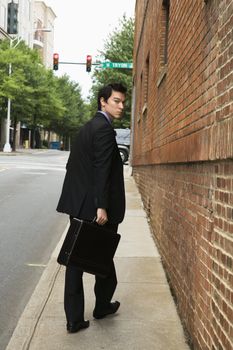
(94,177)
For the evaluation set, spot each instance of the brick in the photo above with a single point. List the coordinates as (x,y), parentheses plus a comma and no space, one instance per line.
(203,238)
(183,158)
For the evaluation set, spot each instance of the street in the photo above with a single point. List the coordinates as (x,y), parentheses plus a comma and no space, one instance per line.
(30,227)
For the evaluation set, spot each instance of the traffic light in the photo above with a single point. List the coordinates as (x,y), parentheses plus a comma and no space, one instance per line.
(55,61)
(12,18)
(88,63)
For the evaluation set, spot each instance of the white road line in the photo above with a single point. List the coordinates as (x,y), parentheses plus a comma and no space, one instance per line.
(34,167)
(34,173)
(36,265)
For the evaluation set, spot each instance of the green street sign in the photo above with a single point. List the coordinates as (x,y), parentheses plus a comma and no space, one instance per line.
(127,65)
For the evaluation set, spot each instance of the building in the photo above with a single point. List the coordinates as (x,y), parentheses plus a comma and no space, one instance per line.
(3,19)
(44,18)
(25,20)
(182,154)
(36,28)
(43,41)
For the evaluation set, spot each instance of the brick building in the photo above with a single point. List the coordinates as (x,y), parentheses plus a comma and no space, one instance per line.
(182,154)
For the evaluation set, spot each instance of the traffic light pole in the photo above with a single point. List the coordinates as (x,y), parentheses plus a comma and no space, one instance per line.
(89,64)
(123,65)
(7,146)
(83,64)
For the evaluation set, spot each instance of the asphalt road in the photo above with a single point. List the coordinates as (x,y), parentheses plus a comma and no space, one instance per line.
(30,227)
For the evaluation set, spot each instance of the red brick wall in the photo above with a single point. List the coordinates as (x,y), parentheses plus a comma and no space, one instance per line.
(191,212)
(191,108)
(183,156)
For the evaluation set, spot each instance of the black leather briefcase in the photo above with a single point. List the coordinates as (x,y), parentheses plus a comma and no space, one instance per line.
(89,247)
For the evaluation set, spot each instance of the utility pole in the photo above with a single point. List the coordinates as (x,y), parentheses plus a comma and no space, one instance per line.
(12,28)
(7,146)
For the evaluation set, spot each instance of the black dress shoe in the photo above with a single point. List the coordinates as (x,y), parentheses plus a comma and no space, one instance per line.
(111,309)
(74,327)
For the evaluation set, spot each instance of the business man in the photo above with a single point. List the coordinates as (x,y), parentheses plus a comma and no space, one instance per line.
(94,187)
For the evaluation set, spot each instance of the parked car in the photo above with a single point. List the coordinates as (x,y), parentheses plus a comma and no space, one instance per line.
(123,142)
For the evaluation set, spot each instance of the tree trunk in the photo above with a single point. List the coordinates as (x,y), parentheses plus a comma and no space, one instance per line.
(33,134)
(49,138)
(66,142)
(14,134)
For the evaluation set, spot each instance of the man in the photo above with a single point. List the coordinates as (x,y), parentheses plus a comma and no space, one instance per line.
(94,188)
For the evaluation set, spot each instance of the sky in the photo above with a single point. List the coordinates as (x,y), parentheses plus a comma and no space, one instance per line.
(80,29)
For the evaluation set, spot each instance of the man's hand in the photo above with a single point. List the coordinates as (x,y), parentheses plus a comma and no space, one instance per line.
(102,216)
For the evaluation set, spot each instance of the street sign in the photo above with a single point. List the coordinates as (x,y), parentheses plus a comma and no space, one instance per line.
(128,65)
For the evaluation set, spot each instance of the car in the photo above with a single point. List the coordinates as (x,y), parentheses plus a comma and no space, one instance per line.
(123,142)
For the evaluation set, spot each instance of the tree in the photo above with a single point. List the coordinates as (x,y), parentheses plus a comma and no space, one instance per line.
(39,99)
(117,48)
(29,86)
(14,86)
(46,104)
(22,59)
(75,111)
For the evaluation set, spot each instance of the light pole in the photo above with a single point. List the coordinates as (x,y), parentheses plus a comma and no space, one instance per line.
(7,146)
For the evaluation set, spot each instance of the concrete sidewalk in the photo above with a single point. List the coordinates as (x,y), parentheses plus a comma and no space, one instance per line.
(147,318)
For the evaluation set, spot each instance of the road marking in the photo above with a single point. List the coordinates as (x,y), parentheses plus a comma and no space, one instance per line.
(40,152)
(34,167)
(36,265)
(34,173)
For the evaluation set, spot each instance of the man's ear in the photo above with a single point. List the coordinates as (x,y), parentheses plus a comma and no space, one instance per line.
(102,102)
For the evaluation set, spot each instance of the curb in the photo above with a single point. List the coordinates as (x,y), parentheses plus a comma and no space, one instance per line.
(26,326)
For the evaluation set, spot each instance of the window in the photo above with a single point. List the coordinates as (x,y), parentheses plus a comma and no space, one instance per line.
(146,87)
(164,30)
(140,97)
(3,17)
(39,34)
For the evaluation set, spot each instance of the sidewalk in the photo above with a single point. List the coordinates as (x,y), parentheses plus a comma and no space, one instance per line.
(147,318)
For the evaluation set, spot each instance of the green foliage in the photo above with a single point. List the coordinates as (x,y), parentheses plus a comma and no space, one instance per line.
(38,97)
(118,48)
(119,45)
(74,114)
(21,58)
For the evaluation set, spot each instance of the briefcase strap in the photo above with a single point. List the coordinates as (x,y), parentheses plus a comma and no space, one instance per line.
(76,236)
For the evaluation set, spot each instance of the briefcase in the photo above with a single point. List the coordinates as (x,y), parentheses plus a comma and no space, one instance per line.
(89,246)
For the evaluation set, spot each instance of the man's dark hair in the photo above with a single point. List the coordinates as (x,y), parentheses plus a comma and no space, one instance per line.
(106,92)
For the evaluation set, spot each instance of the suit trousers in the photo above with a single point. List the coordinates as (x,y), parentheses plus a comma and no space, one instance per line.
(74,294)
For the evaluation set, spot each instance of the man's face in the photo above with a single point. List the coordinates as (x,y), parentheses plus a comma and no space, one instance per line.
(114,105)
